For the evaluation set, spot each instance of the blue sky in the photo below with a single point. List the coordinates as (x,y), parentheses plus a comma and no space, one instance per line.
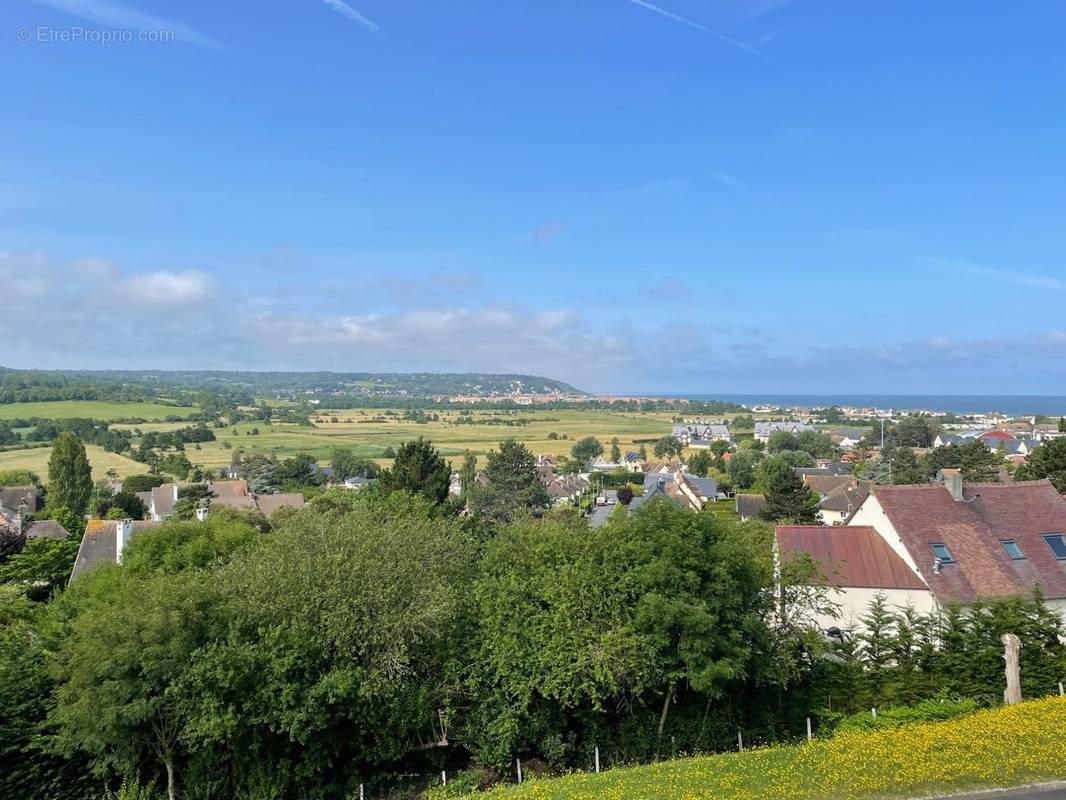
(691,195)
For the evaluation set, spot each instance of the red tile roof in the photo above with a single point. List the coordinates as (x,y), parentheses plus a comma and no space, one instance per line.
(1001,435)
(853,556)
(973,530)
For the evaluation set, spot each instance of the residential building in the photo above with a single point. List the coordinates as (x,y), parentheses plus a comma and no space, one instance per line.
(104,541)
(161,500)
(749,505)
(764,430)
(18,501)
(961,543)
(859,564)
(700,436)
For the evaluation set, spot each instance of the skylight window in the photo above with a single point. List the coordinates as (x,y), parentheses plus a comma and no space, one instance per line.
(1013,550)
(942,552)
(1057,543)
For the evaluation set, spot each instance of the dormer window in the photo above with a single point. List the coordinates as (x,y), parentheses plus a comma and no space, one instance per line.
(943,554)
(1057,543)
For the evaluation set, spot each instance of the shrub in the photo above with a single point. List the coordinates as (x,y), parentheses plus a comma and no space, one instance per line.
(925,711)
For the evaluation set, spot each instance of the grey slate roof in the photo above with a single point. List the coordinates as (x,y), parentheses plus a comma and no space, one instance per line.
(748,505)
(99,544)
(46,529)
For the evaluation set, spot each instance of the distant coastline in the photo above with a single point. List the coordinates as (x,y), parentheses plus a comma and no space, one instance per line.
(1012,405)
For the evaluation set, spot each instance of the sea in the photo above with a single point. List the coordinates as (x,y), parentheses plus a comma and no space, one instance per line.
(1011,405)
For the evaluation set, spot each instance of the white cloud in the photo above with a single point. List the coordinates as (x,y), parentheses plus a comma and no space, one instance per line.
(169,288)
(1026,280)
(117,15)
(346,10)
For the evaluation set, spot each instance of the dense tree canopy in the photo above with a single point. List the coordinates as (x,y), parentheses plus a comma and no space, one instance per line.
(419,469)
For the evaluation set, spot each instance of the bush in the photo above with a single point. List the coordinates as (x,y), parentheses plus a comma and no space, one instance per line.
(461,785)
(926,711)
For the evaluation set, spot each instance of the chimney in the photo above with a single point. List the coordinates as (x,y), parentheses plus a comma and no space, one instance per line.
(123,531)
(175,492)
(952,479)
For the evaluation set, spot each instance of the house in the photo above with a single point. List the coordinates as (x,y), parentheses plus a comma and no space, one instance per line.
(843,501)
(104,541)
(357,482)
(161,500)
(749,506)
(848,438)
(45,529)
(633,462)
(601,464)
(701,436)
(827,468)
(692,491)
(230,473)
(824,485)
(764,430)
(859,564)
(565,489)
(16,502)
(978,541)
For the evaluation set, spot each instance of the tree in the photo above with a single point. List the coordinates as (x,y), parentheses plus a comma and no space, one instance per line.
(298,472)
(976,461)
(70,480)
(419,469)
(511,485)
(643,453)
(701,463)
(586,449)
(741,468)
(1062,424)
(1047,461)
(346,464)
(786,496)
(341,649)
(41,566)
(468,476)
(191,499)
(668,446)
(624,495)
(616,452)
(19,477)
(128,645)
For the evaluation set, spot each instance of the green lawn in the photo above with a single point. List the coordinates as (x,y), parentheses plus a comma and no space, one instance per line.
(91,409)
(996,748)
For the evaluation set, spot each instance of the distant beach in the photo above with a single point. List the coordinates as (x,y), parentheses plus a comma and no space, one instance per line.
(1012,405)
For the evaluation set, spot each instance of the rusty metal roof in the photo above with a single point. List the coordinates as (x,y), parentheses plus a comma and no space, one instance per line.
(853,556)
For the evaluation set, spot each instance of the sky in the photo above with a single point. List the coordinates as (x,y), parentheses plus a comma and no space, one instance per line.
(681,196)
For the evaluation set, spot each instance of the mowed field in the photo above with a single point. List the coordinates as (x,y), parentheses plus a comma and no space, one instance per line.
(368,432)
(91,409)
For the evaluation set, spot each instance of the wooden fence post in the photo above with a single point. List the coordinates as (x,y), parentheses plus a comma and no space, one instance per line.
(740,741)
(518,763)
(597,754)
(1013,693)
(809,734)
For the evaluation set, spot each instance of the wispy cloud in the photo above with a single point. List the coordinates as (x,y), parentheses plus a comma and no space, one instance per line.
(346,10)
(1024,279)
(545,233)
(685,21)
(728,180)
(117,15)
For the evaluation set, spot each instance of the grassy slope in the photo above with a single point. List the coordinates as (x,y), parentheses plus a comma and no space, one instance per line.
(91,409)
(1001,747)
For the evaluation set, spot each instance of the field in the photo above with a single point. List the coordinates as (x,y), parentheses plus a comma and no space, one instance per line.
(91,409)
(997,748)
(368,432)
(36,460)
